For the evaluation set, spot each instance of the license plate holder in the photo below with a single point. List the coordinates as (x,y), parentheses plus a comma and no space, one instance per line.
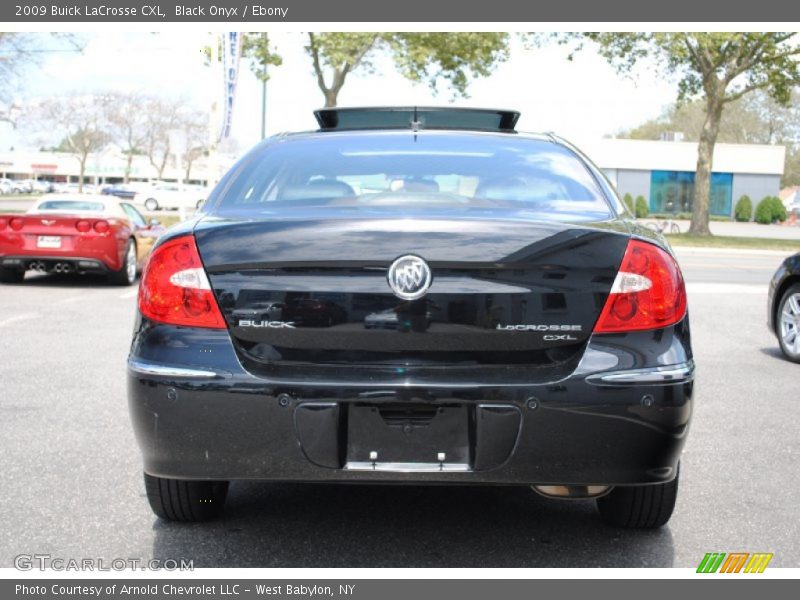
(48,241)
(411,438)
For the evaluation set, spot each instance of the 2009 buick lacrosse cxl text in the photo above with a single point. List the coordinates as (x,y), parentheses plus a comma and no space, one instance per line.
(413,295)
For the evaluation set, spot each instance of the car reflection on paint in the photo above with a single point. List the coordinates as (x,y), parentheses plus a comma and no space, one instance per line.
(317,312)
(390,319)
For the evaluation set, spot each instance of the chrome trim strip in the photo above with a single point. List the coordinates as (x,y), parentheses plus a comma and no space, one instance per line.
(401,467)
(673,374)
(143,368)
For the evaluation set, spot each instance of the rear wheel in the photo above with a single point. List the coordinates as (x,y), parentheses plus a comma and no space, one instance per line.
(188,501)
(788,328)
(11,275)
(151,204)
(639,506)
(127,274)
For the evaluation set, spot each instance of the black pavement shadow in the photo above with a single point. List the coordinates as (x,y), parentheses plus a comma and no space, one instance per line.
(334,525)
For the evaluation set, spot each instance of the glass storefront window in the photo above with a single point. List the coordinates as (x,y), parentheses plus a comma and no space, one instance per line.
(673,192)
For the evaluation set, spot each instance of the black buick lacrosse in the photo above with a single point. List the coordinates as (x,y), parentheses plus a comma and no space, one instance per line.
(413,295)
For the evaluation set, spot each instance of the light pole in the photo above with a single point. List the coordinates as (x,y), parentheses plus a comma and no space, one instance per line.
(265,38)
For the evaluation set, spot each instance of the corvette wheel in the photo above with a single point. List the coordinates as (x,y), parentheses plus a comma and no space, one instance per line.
(188,501)
(127,274)
(789,323)
(639,506)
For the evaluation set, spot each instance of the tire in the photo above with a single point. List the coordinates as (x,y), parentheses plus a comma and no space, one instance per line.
(11,275)
(787,323)
(127,274)
(639,506)
(186,501)
(151,204)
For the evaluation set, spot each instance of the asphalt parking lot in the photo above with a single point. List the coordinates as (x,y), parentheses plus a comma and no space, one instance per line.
(72,484)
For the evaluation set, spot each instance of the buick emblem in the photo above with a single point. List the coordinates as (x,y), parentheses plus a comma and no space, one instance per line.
(409,277)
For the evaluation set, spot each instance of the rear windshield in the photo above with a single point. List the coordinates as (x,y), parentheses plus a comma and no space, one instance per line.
(426,169)
(76,205)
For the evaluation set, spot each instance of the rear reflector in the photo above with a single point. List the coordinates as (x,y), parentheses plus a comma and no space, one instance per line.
(648,292)
(175,289)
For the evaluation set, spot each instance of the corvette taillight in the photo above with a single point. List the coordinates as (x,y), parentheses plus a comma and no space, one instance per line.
(648,292)
(16,223)
(83,226)
(3,224)
(175,289)
(101,226)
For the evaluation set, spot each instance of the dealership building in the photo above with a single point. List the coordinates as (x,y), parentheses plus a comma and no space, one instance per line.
(662,172)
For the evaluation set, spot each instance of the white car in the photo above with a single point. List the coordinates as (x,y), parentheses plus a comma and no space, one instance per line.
(171,195)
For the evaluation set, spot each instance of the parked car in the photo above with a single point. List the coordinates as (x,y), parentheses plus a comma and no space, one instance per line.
(560,356)
(121,190)
(6,187)
(76,234)
(171,196)
(783,307)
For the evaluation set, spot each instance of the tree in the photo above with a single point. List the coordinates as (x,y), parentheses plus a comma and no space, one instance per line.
(194,125)
(80,120)
(130,126)
(18,52)
(718,68)
(257,49)
(422,57)
(163,116)
(754,119)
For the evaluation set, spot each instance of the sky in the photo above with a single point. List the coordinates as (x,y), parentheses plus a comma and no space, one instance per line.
(581,100)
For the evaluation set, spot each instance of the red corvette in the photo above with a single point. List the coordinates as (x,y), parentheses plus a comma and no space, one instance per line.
(76,234)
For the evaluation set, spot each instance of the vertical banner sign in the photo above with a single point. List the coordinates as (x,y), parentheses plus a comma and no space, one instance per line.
(231,53)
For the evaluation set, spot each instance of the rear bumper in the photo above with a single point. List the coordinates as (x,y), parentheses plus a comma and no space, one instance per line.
(620,418)
(101,253)
(47,262)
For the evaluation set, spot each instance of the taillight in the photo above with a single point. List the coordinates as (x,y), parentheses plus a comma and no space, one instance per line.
(16,223)
(648,292)
(3,224)
(83,226)
(101,226)
(175,289)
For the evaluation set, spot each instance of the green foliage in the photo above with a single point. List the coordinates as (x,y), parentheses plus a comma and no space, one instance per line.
(744,209)
(256,48)
(642,210)
(708,62)
(427,57)
(717,67)
(770,210)
(778,210)
(628,200)
(452,57)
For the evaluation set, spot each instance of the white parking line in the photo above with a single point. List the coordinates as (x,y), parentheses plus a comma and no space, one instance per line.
(22,317)
(725,288)
(71,299)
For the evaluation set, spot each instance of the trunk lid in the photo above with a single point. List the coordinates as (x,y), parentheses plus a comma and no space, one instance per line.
(310,288)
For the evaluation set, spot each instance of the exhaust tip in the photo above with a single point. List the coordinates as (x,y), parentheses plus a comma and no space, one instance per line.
(571,491)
